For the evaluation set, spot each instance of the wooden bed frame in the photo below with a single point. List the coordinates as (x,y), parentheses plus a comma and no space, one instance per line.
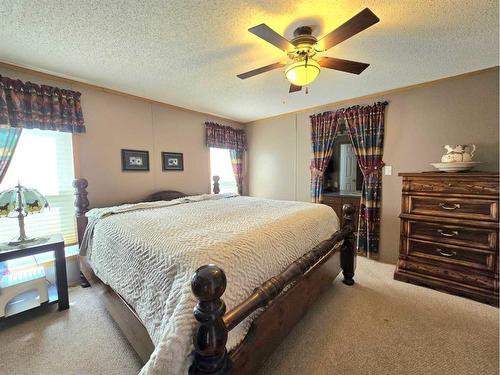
(286,298)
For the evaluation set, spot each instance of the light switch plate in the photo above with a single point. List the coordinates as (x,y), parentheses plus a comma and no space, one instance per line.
(388,170)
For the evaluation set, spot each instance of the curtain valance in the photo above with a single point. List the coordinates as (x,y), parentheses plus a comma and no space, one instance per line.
(28,105)
(220,136)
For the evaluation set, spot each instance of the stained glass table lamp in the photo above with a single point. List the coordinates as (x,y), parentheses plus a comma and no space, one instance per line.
(20,202)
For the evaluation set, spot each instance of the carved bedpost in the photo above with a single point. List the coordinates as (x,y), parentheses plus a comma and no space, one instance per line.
(348,251)
(216,188)
(81,207)
(210,358)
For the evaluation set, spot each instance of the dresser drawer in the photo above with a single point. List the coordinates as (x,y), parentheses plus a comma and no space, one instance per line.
(454,186)
(332,200)
(451,254)
(336,204)
(479,209)
(452,234)
(441,273)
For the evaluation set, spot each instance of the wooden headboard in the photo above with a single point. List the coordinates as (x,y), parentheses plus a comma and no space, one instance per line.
(82,202)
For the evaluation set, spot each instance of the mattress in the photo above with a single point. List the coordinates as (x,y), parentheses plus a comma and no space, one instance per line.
(148,252)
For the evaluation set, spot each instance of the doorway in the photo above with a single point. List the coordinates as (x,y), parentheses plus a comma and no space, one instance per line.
(348,168)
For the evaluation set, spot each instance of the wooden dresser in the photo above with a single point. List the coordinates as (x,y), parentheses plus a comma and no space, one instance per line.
(449,233)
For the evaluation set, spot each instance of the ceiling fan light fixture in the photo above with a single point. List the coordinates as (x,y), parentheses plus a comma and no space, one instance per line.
(303,69)
(302,73)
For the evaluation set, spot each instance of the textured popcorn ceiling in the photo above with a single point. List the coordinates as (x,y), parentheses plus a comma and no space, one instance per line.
(187,53)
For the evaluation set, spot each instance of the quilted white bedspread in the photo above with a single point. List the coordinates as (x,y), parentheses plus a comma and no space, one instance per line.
(148,253)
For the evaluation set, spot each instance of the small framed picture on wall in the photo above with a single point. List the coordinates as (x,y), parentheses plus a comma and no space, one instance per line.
(172,161)
(135,160)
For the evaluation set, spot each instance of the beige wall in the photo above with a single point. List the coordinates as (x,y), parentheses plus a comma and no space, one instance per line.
(419,121)
(116,122)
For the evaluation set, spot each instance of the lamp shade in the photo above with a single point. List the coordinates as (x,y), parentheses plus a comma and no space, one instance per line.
(30,200)
(303,72)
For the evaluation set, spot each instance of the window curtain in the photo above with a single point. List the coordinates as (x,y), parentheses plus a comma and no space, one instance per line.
(237,164)
(365,126)
(28,105)
(8,142)
(220,136)
(323,131)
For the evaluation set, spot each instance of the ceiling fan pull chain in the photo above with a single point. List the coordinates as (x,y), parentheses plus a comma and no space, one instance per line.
(307,87)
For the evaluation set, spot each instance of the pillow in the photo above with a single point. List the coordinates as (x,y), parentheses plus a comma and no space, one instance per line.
(166,195)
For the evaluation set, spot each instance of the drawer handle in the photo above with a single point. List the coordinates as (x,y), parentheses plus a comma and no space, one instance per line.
(447,234)
(444,206)
(445,254)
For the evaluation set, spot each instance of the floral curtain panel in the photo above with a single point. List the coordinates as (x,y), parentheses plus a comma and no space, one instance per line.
(365,126)
(8,142)
(323,130)
(28,105)
(220,136)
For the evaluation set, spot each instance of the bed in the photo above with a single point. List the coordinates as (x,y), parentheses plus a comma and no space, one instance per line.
(210,284)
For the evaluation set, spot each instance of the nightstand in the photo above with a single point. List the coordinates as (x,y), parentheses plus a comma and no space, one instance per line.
(55,243)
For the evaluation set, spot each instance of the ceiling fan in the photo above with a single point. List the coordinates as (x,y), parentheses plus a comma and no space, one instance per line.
(303,68)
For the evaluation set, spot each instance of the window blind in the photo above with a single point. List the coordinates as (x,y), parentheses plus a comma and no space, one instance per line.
(43,160)
(220,165)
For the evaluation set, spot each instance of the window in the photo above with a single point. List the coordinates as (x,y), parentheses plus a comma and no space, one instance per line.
(220,165)
(43,160)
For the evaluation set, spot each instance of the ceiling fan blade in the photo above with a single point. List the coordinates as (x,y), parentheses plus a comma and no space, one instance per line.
(263,69)
(342,65)
(269,35)
(356,24)
(294,88)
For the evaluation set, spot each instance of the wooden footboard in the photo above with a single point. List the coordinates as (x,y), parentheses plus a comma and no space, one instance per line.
(307,277)
(285,297)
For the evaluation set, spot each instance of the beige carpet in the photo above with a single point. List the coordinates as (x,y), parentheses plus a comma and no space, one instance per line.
(379,326)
